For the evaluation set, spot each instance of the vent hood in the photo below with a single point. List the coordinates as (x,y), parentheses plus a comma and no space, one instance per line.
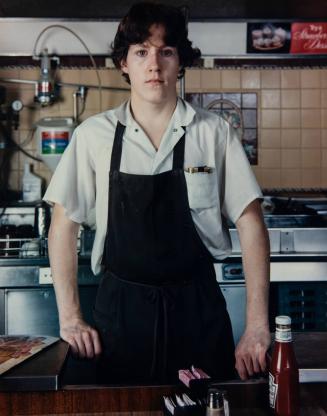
(199,10)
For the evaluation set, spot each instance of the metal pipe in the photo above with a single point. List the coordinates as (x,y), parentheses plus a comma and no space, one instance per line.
(63,84)
(75,107)
(66,84)
(182,87)
(18,81)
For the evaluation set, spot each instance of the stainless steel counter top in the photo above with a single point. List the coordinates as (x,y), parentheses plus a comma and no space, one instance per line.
(24,272)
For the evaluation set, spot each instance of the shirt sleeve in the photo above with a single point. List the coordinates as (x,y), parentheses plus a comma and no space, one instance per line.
(239,182)
(73,182)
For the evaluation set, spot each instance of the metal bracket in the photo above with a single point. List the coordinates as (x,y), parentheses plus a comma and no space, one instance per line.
(286,241)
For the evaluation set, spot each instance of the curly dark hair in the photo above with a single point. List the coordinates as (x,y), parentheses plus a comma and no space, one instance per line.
(134,28)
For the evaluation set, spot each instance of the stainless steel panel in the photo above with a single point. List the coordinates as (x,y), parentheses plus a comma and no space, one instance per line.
(293,271)
(287,241)
(274,238)
(313,375)
(31,311)
(34,311)
(298,271)
(236,247)
(11,276)
(310,240)
(2,311)
(235,296)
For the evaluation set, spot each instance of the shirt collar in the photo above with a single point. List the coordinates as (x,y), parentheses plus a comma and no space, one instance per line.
(182,116)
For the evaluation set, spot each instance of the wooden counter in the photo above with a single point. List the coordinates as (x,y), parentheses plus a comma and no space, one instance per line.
(60,396)
(246,399)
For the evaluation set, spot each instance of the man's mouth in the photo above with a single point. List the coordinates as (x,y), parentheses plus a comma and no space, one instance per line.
(154,81)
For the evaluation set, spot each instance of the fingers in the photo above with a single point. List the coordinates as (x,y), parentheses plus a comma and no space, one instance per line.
(241,369)
(96,343)
(251,362)
(91,343)
(255,365)
(262,359)
(83,340)
(88,344)
(251,350)
(81,350)
(244,366)
(73,345)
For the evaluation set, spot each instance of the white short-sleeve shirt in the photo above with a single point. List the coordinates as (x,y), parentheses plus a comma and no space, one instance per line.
(81,181)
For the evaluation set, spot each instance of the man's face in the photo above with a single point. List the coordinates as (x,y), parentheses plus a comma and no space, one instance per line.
(152,68)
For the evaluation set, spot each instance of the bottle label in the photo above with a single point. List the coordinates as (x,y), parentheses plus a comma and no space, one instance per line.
(283,335)
(226,407)
(273,389)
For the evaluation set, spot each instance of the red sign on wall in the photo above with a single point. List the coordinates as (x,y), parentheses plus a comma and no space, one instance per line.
(309,38)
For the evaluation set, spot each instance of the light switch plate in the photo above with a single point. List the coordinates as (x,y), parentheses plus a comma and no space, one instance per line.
(45,276)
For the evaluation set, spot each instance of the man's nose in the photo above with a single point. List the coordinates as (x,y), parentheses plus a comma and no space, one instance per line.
(154,61)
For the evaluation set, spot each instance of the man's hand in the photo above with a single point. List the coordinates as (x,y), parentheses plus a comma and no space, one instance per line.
(82,338)
(251,351)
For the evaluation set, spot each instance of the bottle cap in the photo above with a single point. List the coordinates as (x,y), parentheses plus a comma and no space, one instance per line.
(215,399)
(283,320)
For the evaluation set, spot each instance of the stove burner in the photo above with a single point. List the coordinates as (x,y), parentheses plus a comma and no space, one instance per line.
(294,212)
(296,221)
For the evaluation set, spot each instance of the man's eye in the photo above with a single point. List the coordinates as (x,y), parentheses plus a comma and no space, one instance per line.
(167,52)
(141,52)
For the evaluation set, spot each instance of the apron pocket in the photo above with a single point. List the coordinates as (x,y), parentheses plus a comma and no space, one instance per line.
(202,190)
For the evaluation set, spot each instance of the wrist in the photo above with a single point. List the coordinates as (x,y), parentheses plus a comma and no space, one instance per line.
(70,319)
(257,325)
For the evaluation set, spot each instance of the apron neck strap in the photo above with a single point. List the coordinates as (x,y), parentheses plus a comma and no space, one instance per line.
(178,161)
(117,147)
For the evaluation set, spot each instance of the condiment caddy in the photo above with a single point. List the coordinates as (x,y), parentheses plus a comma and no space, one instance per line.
(201,400)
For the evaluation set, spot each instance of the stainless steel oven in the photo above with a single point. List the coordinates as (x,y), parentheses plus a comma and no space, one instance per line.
(298,269)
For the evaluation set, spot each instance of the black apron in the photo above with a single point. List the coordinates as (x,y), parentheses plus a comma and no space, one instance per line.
(159,307)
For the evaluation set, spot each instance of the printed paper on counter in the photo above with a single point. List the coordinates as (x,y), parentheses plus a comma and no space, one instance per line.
(17,348)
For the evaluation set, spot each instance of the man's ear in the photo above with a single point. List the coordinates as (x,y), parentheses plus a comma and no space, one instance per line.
(123,66)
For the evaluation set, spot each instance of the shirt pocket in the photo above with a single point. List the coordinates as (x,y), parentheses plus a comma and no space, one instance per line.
(202,190)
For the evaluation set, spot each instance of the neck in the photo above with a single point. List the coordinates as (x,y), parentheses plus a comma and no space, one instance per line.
(152,114)
(153,118)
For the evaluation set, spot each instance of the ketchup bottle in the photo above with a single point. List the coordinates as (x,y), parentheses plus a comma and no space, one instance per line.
(284,372)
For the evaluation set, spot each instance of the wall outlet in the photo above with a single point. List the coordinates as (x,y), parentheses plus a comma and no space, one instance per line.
(209,63)
(109,63)
(45,276)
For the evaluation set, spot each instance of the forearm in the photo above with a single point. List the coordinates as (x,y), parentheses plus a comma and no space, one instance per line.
(63,261)
(256,269)
(255,252)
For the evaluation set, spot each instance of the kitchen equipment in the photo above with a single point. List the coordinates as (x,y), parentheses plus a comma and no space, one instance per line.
(17,231)
(297,229)
(42,219)
(32,185)
(53,135)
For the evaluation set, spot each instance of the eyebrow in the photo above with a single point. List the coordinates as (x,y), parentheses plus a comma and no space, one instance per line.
(148,44)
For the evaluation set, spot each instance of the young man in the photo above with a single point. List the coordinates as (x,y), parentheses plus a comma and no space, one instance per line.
(160,225)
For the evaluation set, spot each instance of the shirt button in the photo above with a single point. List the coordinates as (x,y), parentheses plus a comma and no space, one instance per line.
(174,130)
(136,130)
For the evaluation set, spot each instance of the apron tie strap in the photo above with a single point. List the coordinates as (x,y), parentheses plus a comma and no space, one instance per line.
(163,298)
